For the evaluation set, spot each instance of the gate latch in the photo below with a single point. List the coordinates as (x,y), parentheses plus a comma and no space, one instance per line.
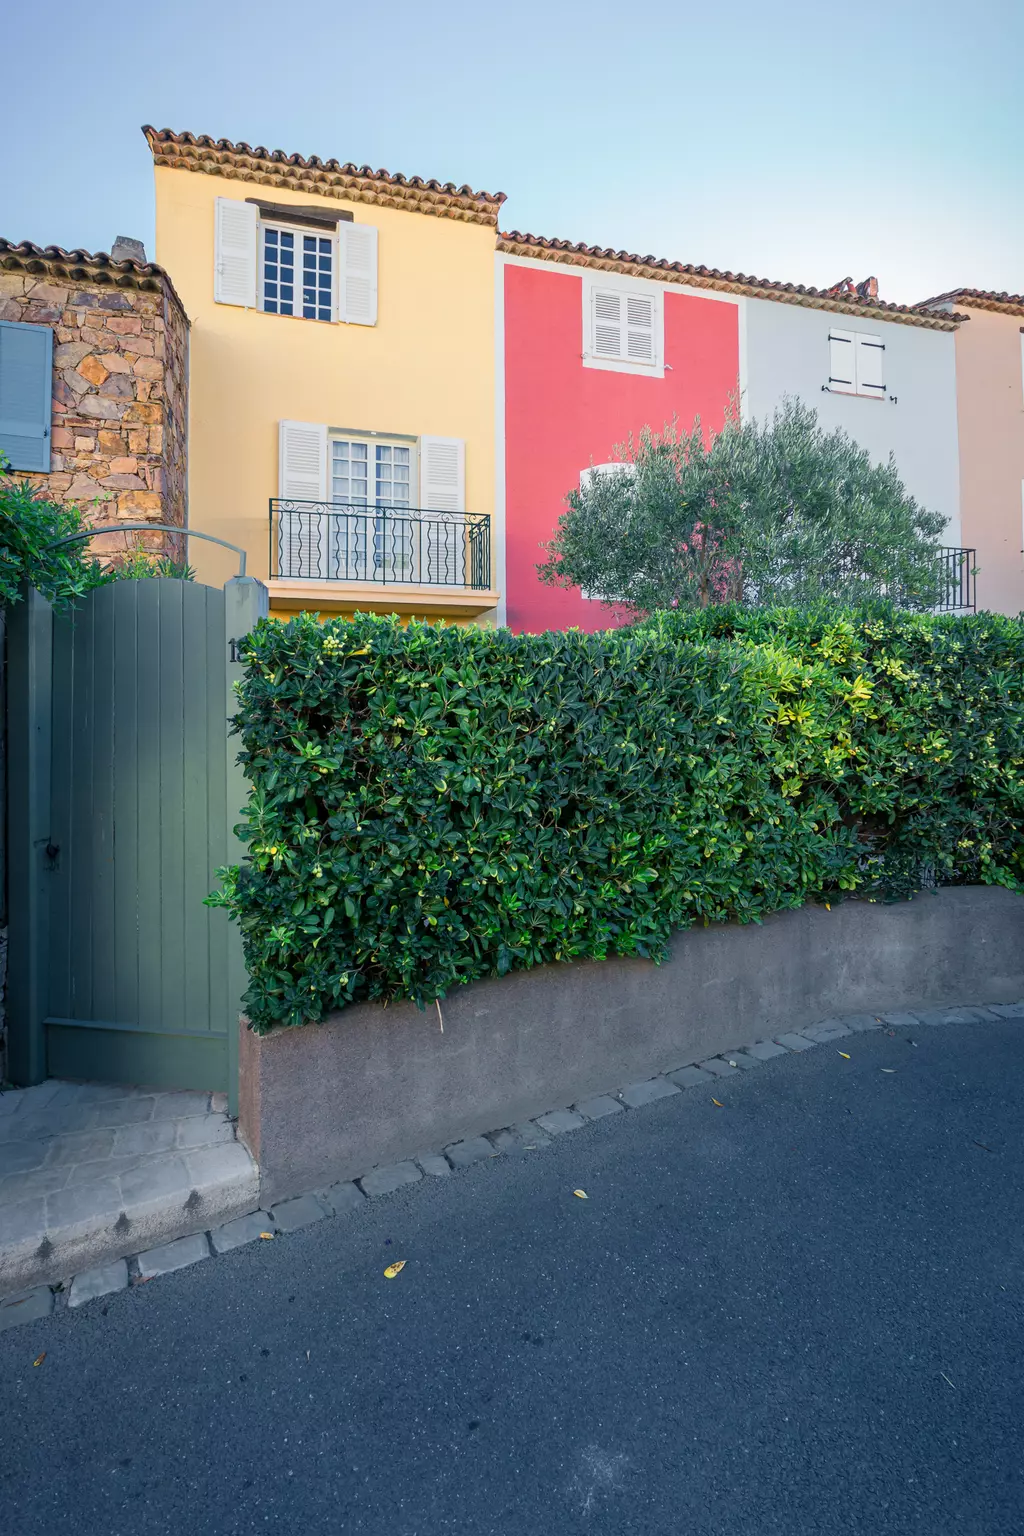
(52,851)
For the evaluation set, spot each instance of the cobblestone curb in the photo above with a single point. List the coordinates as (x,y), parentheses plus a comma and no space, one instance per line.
(343,1198)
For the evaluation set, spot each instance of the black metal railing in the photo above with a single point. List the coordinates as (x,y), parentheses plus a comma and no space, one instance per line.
(350,541)
(957,576)
(940,581)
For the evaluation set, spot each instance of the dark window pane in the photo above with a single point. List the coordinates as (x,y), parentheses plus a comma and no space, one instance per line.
(288,241)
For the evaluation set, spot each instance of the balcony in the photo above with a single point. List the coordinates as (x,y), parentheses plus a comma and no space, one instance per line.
(957,581)
(943,583)
(339,556)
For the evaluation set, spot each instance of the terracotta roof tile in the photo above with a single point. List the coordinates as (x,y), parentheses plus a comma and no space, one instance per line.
(844,297)
(327,178)
(979,298)
(85,266)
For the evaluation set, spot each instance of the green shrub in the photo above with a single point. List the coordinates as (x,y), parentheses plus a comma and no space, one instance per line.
(432,805)
(29,527)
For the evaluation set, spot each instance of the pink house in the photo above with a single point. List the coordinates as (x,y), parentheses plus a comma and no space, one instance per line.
(990,423)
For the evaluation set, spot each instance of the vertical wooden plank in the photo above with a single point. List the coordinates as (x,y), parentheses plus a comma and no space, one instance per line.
(196,830)
(29,657)
(62,830)
(171,805)
(148,670)
(126,800)
(104,952)
(218,922)
(80,882)
(246,601)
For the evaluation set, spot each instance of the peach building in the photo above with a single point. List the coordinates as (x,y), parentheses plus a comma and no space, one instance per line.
(990,421)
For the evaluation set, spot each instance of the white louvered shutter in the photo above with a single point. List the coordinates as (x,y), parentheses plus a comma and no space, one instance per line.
(303,532)
(357,289)
(445,552)
(870,365)
(443,474)
(235,252)
(842,367)
(639,328)
(607,327)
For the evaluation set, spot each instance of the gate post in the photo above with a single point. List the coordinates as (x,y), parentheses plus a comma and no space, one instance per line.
(246,601)
(29,727)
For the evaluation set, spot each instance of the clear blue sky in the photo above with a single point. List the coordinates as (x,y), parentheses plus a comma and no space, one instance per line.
(793,140)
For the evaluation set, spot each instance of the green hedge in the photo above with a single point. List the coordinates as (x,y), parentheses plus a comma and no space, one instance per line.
(432,805)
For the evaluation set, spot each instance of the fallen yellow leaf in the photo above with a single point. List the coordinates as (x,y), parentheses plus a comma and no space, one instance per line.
(580,1194)
(845,1055)
(394,1269)
(827,907)
(715,1101)
(266,1234)
(40,1358)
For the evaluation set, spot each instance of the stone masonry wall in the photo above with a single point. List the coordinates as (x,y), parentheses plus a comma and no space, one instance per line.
(120,397)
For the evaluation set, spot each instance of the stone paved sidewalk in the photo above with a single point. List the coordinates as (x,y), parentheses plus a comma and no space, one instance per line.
(89,1173)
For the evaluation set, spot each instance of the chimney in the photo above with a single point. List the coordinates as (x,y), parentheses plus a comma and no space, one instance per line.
(125,248)
(868,289)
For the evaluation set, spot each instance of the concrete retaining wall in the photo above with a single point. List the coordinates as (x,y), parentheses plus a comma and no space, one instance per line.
(373,1085)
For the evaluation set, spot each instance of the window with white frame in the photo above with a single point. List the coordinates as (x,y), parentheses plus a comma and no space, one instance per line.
(623,324)
(587,478)
(287,268)
(371,487)
(856,364)
(355,506)
(297,273)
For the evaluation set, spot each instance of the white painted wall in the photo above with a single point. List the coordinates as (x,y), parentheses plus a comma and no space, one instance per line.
(787,353)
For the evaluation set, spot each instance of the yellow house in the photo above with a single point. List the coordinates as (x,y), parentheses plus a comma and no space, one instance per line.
(342,376)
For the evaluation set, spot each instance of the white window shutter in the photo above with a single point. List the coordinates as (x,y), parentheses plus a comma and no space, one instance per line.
(607,326)
(639,329)
(842,368)
(303,461)
(870,364)
(357,286)
(303,533)
(442,474)
(235,252)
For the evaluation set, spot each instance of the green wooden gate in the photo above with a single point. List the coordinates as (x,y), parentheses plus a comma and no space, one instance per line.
(123,792)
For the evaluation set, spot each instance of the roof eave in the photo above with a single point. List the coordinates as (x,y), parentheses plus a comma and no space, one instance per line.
(514,244)
(321,178)
(87,267)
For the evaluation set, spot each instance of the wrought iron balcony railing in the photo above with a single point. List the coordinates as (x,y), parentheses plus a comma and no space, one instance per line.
(350,541)
(958,581)
(942,582)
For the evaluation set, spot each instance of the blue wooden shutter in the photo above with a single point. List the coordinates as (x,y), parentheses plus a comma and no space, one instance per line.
(26,390)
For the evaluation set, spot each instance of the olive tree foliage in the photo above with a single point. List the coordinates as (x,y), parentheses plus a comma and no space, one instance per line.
(780,511)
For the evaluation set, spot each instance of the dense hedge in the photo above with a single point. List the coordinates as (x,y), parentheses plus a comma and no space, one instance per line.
(431,805)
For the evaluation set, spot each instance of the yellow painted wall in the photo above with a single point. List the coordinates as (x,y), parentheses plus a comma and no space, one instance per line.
(426,367)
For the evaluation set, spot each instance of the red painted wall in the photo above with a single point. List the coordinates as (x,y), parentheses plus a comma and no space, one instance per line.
(560,417)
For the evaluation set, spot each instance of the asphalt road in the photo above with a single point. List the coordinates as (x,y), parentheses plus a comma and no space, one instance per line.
(800,1313)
